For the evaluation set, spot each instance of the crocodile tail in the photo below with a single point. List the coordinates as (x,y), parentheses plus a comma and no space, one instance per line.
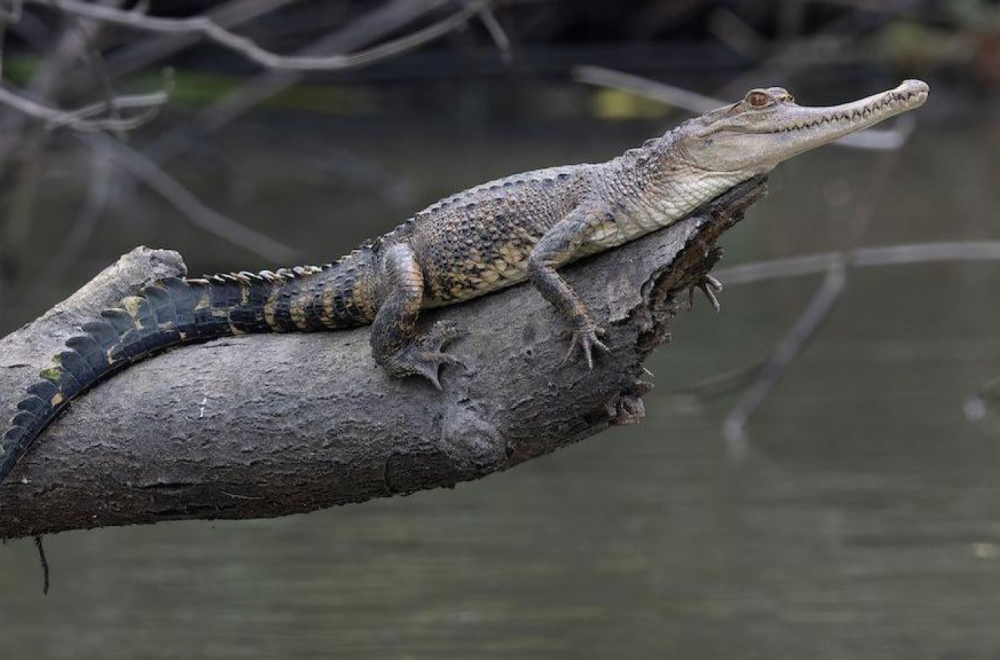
(172,312)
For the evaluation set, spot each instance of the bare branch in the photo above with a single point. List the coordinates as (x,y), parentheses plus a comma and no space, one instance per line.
(868,257)
(142,53)
(497,33)
(692,102)
(812,264)
(817,311)
(249,49)
(187,203)
(806,265)
(86,118)
(100,75)
(367,29)
(809,322)
(62,58)
(721,384)
(695,103)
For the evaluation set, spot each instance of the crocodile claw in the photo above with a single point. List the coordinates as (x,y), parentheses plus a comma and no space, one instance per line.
(709,286)
(428,365)
(587,337)
(425,355)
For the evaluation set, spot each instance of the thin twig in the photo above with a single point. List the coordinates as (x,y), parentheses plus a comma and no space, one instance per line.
(806,265)
(867,257)
(103,80)
(734,428)
(695,103)
(249,49)
(719,385)
(21,131)
(367,29)
(142,53)
(26,137)
(45,564)
(870,257)
(497,33)
(187,203)
(82,119)
(692,102)
(812,318)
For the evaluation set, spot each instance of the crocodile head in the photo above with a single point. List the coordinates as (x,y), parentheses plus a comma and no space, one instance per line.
(767,127)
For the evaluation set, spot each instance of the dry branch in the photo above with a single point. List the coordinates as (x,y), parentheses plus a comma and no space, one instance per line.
(86,118)
(812,264)
(781,357)
(370,28)
(268,425)
(186,202)
(208,29)
(806,327)
(867,257)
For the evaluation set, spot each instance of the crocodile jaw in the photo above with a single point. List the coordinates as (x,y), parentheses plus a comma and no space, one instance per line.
(739,138)
(807,128)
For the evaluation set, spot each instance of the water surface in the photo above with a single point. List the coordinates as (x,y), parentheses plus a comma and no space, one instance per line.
(864,521)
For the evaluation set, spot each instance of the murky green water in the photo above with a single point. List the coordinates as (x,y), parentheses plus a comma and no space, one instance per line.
(864,522)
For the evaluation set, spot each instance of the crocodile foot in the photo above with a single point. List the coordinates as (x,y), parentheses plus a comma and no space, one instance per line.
(587,336)
(425,355)
(709,286)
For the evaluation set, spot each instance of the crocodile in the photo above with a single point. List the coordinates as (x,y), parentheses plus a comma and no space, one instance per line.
(523,227)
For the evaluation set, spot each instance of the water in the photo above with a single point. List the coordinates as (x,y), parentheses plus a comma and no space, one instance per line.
(864,521)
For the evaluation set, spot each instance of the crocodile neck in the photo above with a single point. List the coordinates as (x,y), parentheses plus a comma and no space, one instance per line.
(654,186)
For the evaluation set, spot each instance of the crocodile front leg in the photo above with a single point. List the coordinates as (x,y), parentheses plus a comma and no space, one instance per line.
(559,245)
(396,346)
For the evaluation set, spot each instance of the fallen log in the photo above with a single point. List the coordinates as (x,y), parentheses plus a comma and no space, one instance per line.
(269,425)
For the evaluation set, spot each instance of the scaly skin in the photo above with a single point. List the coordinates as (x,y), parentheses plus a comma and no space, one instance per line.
(478,241)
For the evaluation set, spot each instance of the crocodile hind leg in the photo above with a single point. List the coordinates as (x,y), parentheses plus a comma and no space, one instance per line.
(396,346)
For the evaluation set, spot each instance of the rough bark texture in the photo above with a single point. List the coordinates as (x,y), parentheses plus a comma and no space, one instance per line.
(268,425)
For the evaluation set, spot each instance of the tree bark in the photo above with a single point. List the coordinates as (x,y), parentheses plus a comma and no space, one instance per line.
(269,425)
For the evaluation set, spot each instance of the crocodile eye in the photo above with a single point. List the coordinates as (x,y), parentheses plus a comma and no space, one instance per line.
(758,99)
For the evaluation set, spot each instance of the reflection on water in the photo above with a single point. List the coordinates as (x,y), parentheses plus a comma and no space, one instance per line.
(865,522)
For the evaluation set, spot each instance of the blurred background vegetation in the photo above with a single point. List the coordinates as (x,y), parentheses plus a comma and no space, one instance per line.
(817,474)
